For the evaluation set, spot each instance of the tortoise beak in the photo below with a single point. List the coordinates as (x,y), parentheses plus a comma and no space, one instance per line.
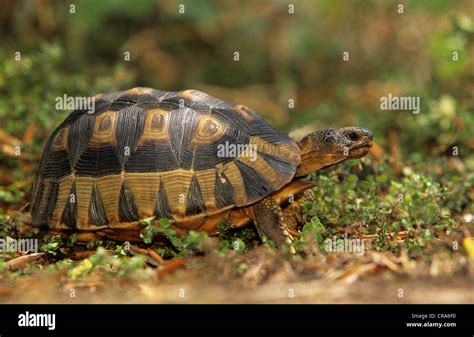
(366,133)
(367,136)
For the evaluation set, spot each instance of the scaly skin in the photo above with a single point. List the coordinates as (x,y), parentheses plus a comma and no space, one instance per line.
(270,222)
(293,213)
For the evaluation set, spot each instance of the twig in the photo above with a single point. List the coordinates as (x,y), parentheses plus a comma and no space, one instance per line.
(293,232)
(22,261)
(154,258)
(170,267)
(398,236)
(84,254)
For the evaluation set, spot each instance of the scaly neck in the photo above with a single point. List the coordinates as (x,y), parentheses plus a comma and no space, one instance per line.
(310,163)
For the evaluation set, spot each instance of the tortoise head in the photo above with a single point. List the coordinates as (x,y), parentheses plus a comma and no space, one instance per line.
(324,148)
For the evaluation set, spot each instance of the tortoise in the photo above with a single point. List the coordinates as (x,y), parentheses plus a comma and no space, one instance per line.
(185,156)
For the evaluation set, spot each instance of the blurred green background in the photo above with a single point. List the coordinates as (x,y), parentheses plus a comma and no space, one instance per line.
(282,56)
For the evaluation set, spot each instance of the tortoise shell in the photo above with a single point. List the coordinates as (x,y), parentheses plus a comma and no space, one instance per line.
(145,152)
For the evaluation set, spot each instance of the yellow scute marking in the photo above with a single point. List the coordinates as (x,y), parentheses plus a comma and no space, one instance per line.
(139,91)
(209,130)
(244,112)
(232,173)
(104,128)
(61,139)
(176,184)
(288,152)
(265,170)
(144,187)
(83,199)
(109,190)
(156,125)
(64,191)
(194,95)
(207,183)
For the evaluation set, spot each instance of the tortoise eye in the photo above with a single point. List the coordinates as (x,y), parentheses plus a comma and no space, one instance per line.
(352,136)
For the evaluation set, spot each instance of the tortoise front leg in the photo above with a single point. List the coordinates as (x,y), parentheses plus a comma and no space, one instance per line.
(293,213)
(268,219)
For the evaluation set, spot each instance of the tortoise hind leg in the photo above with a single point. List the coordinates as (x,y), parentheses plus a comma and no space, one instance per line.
(269,221)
